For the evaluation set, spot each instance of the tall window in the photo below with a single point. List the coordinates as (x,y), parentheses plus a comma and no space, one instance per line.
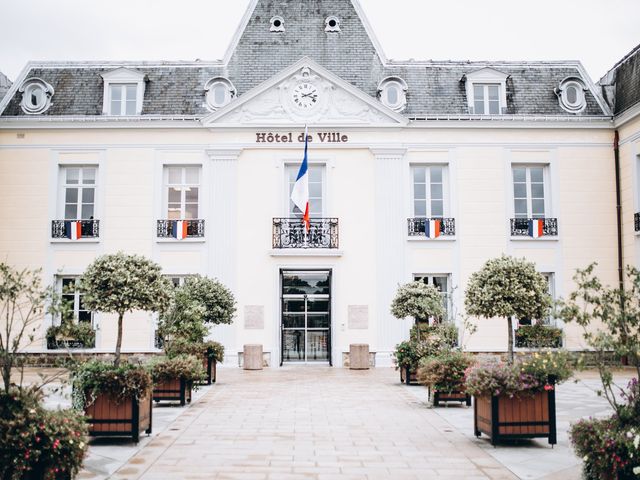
(122,98)
(529,192)
(75,310)
(316,190)
(443,284)
(79,192)
(486,99)
(551,289)
(182,192)
(429,191)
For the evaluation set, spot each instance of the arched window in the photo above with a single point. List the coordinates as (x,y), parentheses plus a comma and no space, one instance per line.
(219,92)
(393,93)
(571,94)
(36,96)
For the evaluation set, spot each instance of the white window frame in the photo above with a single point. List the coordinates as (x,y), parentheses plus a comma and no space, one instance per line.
(445,189)
(486,76)
(290,165)
(447,296)
(546,177)
(209,88)
(32,84)
(581,100)
(549,321)
(76,301)
(402,87)
(122,76)
(62,190)
(183,203)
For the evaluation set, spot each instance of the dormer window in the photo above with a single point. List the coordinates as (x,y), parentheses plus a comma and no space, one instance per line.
(571,95)
(123,92)
(332,24)
(36,96)
(219,92)
(277,24)
(486,91)
(392,92)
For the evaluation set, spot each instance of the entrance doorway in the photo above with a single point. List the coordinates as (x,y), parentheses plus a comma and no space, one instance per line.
(306,316)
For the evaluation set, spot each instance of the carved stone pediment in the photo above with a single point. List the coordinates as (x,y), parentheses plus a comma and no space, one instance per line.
(305,93)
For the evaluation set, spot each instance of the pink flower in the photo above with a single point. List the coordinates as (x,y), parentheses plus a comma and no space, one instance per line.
(548,387)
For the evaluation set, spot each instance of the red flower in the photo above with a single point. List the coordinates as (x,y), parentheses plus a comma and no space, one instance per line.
(548,387)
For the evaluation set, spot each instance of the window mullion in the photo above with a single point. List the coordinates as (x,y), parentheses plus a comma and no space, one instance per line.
(427,191)
(529,193)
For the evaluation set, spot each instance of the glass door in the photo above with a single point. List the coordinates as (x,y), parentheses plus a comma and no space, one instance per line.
(306,316)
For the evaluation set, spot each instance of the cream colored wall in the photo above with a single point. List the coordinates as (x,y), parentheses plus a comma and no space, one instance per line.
(480,160)
(629,151)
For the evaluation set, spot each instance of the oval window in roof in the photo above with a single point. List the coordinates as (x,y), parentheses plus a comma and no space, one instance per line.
(219,92)
(571,95)
(36,96)
(392,92)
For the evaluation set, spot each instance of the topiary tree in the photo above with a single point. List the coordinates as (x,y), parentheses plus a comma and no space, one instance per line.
(198,302)
(418,300)
(508,287)
(122,283)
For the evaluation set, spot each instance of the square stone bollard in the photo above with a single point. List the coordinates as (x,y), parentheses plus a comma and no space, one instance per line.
(252,357)
(359,356)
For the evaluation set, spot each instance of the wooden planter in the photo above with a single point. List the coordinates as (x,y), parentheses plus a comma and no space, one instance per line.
(127,418)
(176,389)
(504,418)
(408,375)
(438,397)
(210,364)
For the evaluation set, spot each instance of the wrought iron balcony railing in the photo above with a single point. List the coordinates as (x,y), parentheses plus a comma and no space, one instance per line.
(69,229)
(636,222)
(292,233)
(427,227)
(174,229)
(523,227)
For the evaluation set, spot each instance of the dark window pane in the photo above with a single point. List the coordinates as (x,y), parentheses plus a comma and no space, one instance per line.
(315,320)
(293,320)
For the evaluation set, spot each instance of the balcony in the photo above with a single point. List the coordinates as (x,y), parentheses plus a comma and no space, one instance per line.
(521,227)
(292,233)
(418,227)
(65,229)
(170,229)
(636,222)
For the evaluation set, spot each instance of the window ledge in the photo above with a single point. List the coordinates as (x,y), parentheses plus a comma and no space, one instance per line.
(311,252)
(530,239)
(425,239)
(186,240)
(71,242)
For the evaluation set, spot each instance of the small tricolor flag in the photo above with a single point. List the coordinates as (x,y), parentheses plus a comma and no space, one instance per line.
(536,228)
(300,193)
(73,230)
(180,229)
(432,228)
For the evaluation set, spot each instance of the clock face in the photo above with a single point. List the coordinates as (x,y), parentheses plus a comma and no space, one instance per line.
(305,95)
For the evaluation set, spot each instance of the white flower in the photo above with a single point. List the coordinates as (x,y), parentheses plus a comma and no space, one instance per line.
(636,470)
(585,458)
(629,434)
(636,442)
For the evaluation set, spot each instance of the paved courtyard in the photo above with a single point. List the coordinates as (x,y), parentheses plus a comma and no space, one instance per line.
(330,423)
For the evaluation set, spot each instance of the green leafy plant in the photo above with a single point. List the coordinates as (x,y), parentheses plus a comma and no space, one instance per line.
(37,443)
(445,372)
(445,334)
(524,378)
(538,336)
(92,378)
(419,301)
(71,334)
(181,346)
(187,367)
(121,283)
(409,354)
(508,287)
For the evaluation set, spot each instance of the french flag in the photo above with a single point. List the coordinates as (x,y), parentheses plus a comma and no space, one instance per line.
(432,228)
(180,229)
(536,228)
(74,230)
(300,193)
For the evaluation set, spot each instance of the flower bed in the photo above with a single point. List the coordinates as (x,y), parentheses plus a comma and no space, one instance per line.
(538,336)
(444,376)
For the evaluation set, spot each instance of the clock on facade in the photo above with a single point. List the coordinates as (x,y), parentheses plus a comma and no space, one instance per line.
(305,95)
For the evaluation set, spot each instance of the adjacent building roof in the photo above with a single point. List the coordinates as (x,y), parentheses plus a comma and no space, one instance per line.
(257,54)
(5,84)
(621,84)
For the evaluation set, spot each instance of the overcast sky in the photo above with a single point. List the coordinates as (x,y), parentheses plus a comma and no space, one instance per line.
(597,32)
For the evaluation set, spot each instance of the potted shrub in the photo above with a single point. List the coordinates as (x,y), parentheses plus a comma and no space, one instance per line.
(34,443)
(514,401)
(117,398)
(71,335)
(444,376)
(211,352)
(173,378)
(609,447)
(538,336)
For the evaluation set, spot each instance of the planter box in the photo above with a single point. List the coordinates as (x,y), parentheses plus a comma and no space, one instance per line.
(174,390)
(108,418)
(210,365)
(408,376)
(438,397)
(67,344)
(504,418)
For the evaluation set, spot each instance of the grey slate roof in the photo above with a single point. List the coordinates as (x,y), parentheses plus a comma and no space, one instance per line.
(5,84)
(434,87)
(621,85)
